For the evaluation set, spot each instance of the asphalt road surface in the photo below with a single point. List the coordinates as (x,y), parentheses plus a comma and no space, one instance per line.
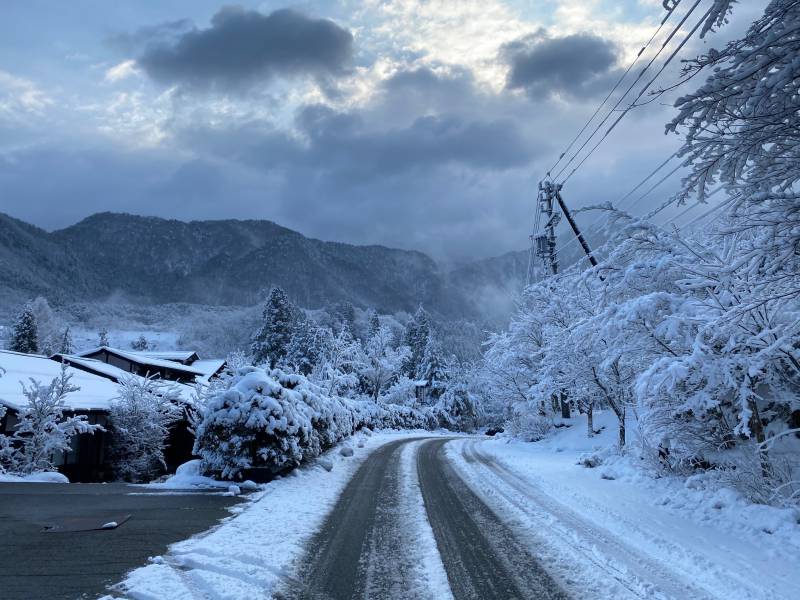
(38,564)
(359,551)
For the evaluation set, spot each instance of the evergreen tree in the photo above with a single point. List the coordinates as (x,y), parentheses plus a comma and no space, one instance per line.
(49,327)
(433,368)
(103,337)
(66,342)
(306,346)
(418,330)
(344,315)
(141,344)
(374,322)
(24,336)
(271,341)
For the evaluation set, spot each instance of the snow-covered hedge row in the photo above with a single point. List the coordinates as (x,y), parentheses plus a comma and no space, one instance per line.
(276,420)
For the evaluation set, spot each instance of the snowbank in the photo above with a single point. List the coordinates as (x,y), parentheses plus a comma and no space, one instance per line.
(190,476)
(41,477)
(616,518)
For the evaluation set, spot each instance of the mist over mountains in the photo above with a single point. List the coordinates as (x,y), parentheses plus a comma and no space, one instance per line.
(152,260)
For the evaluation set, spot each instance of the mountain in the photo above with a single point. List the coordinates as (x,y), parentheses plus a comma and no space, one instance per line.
(33,262)
(153,260)
(149,260)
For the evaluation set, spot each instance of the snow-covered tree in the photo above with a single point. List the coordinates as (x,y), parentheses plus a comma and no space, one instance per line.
(306,345)
(271,341)
(140,344)
(66,342)
(374,322)
(382,363)
(140,418)
(256,423)
(337,365)
(433,369)
(49,328)
(741,125)
(43,432)
(459,407)
(24,336)
(417,334)
(102,337)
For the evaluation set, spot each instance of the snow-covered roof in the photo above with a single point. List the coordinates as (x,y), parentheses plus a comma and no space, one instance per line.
(180,356)
(209,366)
(144,360)
(96,392)
(116,374)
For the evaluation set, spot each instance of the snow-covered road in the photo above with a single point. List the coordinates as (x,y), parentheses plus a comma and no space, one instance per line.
(470,517)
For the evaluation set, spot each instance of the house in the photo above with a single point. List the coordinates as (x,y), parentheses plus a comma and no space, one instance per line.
(87,459)
(97,373)
(148,364)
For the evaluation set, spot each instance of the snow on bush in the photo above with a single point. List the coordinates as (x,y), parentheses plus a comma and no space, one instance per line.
(140,418)
(43,433)
(275,420)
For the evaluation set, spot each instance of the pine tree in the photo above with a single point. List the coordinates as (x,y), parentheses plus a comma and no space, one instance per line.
(24,337)
(271,341)
(102,337)
(66,342)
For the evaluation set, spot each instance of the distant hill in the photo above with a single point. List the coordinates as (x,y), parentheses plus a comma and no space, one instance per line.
(148,260)
(33,262)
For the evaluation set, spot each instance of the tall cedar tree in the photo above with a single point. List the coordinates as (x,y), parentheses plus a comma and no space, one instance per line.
(24,335)
(271,341)
(418,331)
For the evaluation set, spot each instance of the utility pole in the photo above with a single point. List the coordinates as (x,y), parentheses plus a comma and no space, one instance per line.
(546,243)
(574,226)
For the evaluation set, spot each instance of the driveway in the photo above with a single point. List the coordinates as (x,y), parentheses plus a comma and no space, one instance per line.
(70,564)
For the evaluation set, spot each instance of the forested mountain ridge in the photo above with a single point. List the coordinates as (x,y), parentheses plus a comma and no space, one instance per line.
(231,262)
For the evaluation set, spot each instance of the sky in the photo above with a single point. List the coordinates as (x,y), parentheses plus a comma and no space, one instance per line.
(418,124)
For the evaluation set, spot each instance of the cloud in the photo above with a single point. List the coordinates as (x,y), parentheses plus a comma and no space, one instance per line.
(121,71)
(576,65)
(242,47)
(22,102)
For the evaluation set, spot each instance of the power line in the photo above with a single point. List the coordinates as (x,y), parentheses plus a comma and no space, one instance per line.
(643,90)
(621,201)
(630,88)
(613,89)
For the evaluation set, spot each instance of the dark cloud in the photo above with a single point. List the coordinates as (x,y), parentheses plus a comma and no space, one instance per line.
(344,148)
(575,65)
(243,46)
(129,43)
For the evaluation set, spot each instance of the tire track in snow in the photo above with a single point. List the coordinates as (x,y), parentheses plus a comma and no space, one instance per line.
(482,556)
(372,545)
(631,568)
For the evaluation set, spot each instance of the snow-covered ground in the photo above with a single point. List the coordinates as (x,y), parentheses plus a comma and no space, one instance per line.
(614,532)
(605,532)
(249,553)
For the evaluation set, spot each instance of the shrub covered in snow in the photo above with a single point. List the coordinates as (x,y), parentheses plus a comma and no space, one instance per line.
(140,418)
(276,420)
(43,432)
